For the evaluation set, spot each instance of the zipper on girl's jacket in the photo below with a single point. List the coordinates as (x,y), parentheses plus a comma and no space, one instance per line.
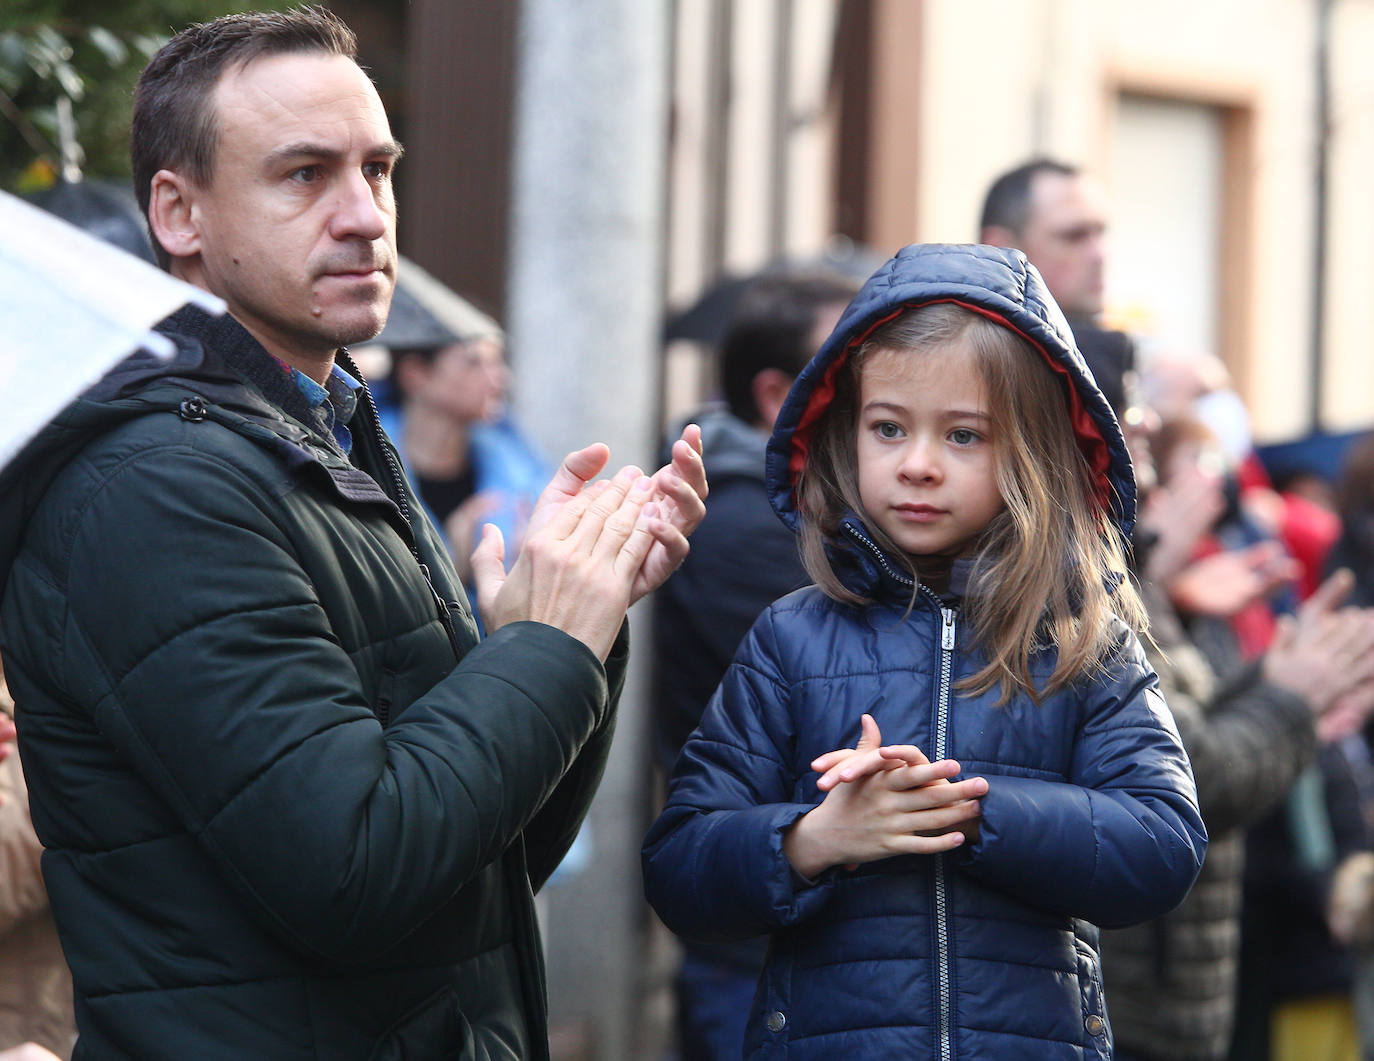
(945,1005)
(947,616)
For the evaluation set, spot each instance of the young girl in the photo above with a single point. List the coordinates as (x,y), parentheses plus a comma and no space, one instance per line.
(962,492)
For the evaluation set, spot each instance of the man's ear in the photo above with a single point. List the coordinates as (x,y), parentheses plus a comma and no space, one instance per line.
(171,214)
(769,390)
(998,236)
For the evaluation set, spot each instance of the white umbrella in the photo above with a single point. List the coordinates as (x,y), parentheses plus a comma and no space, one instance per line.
(71,306)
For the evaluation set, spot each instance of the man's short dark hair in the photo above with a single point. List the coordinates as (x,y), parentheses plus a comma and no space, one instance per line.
(1007,204)
(771,327)
(174,124)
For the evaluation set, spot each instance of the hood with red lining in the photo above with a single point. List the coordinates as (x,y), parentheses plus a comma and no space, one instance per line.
(1000,284)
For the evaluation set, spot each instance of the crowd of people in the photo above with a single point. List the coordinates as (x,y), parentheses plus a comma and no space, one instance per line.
(1005,706)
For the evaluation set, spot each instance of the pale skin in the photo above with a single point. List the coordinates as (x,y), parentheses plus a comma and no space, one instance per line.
(296,230)
(594,550)
(28,1052)
(1325,654)
(882,801)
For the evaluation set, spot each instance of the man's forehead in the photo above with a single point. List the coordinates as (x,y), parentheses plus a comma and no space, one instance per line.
(310,89)
(1058,199)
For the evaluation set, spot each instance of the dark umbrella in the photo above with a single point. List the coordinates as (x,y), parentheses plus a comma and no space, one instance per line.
(427,314)
(706,319)
(106,209)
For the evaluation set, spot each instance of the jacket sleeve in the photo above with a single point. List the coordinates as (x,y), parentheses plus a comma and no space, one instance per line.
(1120,840)
(714,867)
(552,832)
(234,701)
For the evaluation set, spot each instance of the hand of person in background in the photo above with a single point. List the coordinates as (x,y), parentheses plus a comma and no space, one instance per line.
(460,529)
(7,736)
(1265,508)
(1178,516)
(1223,583)
(882,802)
(1325,654)
(28,1052)
(1347,715)
(1350,907)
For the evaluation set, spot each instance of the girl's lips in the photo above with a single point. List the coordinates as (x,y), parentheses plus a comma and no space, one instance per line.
(919,513)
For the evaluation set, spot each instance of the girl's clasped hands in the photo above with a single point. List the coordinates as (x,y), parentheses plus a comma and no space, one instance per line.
(883,801)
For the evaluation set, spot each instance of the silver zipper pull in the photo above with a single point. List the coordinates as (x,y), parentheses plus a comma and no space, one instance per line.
(947,629)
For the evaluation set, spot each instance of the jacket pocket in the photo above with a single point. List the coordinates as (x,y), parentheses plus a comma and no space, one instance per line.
(435,1030)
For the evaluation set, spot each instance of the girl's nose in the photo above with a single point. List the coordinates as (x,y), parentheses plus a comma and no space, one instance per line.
(920,463)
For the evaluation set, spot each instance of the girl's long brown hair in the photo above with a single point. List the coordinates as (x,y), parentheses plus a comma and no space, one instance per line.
(1050,568)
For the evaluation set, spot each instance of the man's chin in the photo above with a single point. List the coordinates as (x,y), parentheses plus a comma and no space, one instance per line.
(358,327)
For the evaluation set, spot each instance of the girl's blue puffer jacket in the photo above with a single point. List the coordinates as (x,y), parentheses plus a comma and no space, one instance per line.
(990,951)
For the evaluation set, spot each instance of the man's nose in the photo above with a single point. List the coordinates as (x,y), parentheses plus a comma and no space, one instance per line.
(360,210)
(1097,247)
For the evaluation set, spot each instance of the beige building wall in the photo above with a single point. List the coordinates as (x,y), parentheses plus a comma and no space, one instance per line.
(750,157)
(1203,111)
(1349,382)
(1001,82)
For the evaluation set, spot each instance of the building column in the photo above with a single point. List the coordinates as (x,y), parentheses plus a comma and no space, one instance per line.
(584,302)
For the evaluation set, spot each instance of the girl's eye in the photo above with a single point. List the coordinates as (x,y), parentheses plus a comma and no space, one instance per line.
(963,436)
(887,429)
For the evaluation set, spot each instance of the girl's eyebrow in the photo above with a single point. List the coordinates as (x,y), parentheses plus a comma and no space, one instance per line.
(878,405)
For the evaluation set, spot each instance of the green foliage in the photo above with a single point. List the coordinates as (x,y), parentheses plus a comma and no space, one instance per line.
(67,72)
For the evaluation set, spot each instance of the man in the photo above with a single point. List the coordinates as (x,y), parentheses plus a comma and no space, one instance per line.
(292,807)
(742,560)
(1057,216)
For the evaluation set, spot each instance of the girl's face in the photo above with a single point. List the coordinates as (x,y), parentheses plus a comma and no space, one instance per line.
(927,471)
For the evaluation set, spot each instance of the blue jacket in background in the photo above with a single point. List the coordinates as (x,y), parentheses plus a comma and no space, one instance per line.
(988,952)
(505,464)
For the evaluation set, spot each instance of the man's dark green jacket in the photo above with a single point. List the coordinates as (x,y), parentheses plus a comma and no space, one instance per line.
(292,807)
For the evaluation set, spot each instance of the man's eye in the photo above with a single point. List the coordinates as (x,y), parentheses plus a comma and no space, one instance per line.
(377,171)
(307,174)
